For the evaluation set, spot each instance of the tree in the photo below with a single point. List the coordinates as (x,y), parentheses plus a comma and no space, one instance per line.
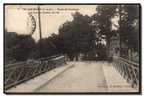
(49,46)
(129,26)
(18,47)
(24,47)
(77,36)
(103,22)
(10,42)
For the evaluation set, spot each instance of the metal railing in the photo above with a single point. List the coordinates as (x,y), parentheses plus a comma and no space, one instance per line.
(128,69)
(23,71)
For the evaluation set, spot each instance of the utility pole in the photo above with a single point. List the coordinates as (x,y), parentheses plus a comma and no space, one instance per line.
(120,9)
(40,31)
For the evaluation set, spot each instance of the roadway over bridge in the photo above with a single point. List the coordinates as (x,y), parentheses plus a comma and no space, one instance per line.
(86,76)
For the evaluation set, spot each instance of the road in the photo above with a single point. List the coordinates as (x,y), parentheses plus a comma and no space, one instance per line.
(83,77)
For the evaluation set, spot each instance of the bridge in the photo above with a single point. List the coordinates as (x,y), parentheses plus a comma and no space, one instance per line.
(54,74)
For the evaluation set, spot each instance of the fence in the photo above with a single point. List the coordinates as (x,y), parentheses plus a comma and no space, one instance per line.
(17,73)
(128,69)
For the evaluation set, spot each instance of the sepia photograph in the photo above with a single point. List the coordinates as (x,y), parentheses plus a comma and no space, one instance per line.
(72,48)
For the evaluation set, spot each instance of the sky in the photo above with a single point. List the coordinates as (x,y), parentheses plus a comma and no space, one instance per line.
(52,16)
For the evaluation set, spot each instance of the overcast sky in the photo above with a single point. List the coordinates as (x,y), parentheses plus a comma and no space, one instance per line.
(16,17)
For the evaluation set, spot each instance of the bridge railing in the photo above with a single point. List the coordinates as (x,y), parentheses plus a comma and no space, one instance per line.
(17,73)
(128,69)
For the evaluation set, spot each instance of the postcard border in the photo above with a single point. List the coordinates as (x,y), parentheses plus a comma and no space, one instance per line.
(79,93)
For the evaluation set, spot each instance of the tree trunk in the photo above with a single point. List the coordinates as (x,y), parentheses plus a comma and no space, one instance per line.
(76,56)
(108,47)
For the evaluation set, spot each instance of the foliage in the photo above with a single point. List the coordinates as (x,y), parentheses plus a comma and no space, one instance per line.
(18,47)
(129,26)
(48,47)
(77,36)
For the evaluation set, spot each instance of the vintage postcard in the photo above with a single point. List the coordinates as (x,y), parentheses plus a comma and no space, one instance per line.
(72,48)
